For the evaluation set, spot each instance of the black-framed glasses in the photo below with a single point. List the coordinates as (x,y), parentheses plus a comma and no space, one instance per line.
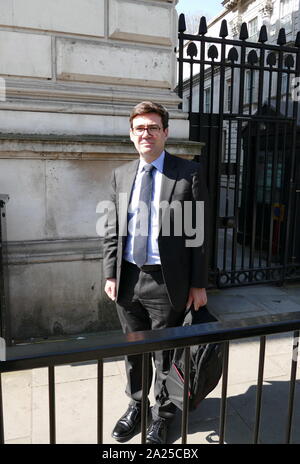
(152,130)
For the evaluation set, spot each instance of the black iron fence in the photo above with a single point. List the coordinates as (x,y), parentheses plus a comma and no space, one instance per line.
(114,344)
(242,100)
(4,288)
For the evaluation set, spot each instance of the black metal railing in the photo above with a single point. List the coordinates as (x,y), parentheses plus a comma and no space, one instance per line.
(4,289)
(241,100)
(114,344)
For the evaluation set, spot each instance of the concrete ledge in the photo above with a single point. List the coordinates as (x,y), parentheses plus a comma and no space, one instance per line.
(83,147)
(49,251)
(113,98)
(61,124)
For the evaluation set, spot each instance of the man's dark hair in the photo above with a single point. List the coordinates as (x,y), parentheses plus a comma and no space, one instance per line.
(150,107)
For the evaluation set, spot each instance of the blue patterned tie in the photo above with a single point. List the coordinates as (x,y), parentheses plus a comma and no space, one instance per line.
(141,241)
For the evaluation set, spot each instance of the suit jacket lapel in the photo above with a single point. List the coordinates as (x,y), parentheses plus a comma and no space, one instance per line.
(170,173)
(125,189)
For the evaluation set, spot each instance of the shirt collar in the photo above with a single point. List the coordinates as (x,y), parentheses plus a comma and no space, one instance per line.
(158,163)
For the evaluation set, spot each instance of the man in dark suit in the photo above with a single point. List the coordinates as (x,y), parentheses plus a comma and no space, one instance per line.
(155,256)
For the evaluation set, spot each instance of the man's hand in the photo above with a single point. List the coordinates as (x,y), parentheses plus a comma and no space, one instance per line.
(111,288)
(198,297)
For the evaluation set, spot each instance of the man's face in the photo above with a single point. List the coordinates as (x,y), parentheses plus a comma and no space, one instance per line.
(149,145)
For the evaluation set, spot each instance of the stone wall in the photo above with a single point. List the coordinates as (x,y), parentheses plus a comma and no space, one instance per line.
(78,66)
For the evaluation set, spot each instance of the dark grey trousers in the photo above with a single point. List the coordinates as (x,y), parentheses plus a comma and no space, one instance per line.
(143,304)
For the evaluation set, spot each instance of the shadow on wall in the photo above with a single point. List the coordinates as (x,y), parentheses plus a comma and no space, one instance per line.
(35,325)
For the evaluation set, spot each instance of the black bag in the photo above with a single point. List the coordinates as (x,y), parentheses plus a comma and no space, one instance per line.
(205,367)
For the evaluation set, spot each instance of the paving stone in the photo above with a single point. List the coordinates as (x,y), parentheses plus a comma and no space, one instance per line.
(276,304)
(254,289)
(243,363)
(274,408)
(16,390)
(207,431)
(233,304)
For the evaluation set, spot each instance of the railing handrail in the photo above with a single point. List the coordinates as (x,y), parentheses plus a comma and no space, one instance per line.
(113,344)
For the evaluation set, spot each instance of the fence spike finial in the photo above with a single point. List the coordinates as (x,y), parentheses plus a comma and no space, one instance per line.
(202,26)
(181,23)
(223,29)
(263,35)
(244,32)
(297,41)
(233,54)
(192,50)
(281,37)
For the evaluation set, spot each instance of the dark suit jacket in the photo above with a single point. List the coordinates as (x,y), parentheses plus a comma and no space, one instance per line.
(182,266)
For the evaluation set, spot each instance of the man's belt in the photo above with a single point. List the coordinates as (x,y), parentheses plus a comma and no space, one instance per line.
(150,267)
(146,267)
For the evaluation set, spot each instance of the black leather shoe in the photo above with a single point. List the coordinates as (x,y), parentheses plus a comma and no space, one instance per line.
(157,432)
(127,424)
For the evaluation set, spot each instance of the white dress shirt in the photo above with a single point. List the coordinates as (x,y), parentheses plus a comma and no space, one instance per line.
(152,247)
